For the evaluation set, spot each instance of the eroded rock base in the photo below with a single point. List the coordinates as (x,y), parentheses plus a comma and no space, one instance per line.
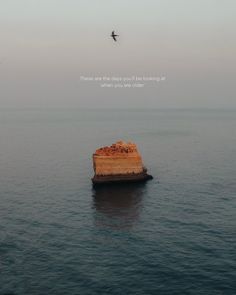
(121,178)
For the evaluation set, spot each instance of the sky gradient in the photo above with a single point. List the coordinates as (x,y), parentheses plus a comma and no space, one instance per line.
(47,45)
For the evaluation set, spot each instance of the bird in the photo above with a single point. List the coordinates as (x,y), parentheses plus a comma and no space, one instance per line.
(113,35)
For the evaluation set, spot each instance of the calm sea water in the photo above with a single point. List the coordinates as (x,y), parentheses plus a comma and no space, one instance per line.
(173,235)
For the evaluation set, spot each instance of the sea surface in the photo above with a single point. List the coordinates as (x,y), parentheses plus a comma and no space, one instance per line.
(176,234)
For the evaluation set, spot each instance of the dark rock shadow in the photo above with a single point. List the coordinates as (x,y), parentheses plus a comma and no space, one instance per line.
(118,206)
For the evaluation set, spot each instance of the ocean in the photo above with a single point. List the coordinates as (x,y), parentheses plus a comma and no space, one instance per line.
(175,234)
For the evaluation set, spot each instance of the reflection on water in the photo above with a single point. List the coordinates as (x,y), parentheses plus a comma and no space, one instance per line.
(118,206)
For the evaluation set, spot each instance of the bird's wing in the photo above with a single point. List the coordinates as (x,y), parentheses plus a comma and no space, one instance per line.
(114,37)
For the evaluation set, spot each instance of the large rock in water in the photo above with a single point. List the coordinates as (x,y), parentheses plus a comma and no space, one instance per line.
(120,162)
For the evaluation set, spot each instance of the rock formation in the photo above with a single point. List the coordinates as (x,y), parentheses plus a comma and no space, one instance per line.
(120,162)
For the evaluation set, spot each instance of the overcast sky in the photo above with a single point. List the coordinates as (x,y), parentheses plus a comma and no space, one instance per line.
(47,45)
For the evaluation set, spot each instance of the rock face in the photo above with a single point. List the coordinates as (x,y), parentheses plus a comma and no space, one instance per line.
(120,162)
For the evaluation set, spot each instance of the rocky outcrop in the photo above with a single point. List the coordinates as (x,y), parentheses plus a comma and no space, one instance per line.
(120,162)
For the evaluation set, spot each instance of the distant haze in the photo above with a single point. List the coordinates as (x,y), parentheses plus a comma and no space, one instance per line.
(46,45)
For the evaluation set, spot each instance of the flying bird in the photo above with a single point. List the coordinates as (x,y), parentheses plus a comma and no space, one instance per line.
(113,35)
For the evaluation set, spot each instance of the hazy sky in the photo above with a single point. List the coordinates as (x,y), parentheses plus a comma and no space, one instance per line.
(46,45)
